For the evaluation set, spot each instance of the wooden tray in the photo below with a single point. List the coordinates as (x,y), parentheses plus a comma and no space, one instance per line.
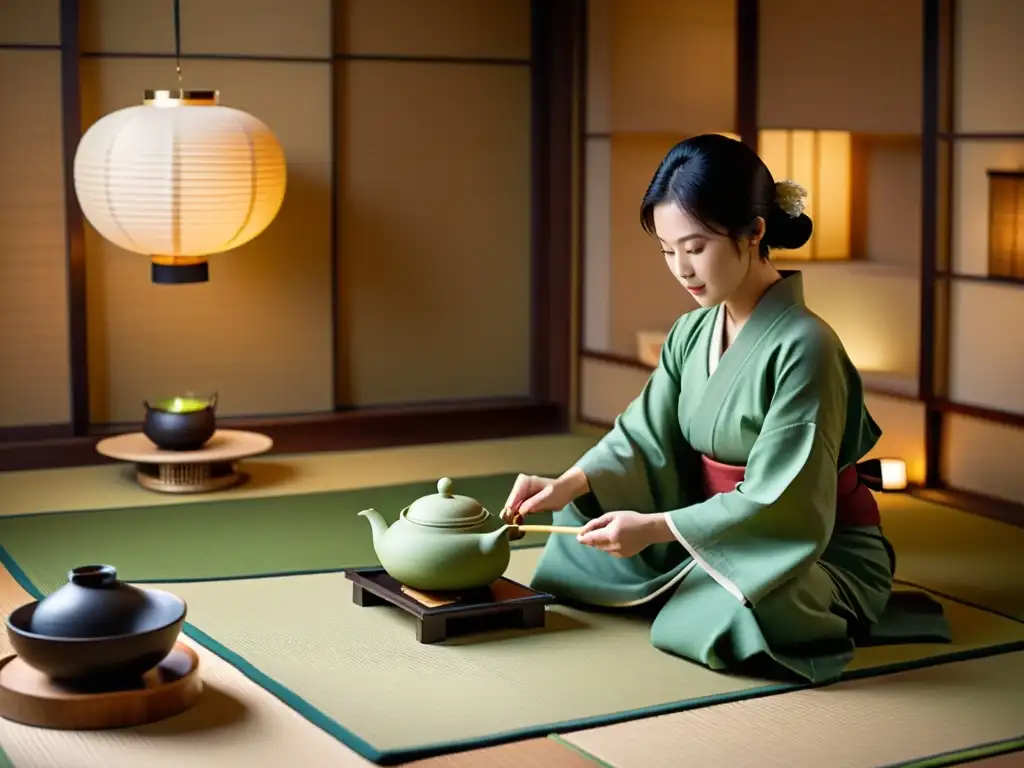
(28,696)
(439,616)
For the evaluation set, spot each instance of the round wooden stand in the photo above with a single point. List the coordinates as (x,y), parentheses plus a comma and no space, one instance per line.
(211,468)
(28,696)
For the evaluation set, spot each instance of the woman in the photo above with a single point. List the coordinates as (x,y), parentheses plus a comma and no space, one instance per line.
(725,497)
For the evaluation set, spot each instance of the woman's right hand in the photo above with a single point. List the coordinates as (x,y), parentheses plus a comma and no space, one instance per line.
(532,494)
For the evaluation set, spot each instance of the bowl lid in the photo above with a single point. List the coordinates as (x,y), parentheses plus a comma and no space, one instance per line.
(93,603)
(445,509)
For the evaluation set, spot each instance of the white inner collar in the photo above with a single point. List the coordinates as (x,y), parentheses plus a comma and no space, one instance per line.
(717,346)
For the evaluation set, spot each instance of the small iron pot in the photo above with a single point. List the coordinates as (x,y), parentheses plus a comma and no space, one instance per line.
(181,423)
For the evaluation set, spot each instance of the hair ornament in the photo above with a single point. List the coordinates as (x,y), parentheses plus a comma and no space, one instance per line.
(790,197)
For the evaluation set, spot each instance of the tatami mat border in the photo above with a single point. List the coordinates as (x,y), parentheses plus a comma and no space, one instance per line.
(962,756)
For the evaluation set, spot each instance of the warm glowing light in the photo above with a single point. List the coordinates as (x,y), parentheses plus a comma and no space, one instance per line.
(894,474)
(179,178)
(1006,224)
(886,475)
(820,161)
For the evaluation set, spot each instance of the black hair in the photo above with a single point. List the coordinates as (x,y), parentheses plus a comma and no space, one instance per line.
(723,184)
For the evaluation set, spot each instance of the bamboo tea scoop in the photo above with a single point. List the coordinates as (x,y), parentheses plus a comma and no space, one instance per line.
(547,528)
(520,530)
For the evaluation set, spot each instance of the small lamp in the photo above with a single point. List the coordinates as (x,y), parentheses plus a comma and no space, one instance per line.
(885,475)
(1006,223)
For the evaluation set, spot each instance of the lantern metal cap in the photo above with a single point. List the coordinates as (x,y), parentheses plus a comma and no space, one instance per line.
(178,97)
(170,274)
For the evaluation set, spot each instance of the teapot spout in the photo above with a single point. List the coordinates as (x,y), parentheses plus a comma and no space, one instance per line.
(377,524)
(488,541)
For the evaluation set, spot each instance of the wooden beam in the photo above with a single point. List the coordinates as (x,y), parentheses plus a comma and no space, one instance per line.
(358,429)
(632,362)
(583,134)
(1001,510)
(74,222)
(992,415)
(958,277)
(29,47)
(937,111)
(339,393)
(747,67)
(556,52)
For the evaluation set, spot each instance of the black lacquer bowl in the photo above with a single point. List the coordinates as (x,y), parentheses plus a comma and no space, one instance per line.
(180,423)
(96,627)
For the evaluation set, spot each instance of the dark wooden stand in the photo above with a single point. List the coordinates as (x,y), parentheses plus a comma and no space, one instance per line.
(503,604)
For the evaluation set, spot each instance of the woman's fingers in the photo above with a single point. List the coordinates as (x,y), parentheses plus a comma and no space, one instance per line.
(596,523)
(520,491)
(599,534)
(531,494)
(537,502)
(601,540)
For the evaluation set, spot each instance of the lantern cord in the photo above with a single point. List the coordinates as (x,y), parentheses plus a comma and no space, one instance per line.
(177,38)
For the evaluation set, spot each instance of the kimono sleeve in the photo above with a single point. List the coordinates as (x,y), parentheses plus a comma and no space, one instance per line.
(780,518)
(636,465)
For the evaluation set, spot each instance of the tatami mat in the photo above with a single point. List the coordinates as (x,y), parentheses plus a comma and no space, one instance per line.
(113,485)
(238,723)
(235,723)
(856,724)
(225,537)
(967,556)
(569,672)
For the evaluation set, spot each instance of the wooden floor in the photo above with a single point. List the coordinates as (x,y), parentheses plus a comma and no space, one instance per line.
(241,724)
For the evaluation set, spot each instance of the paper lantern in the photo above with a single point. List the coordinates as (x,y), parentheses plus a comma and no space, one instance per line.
(179,178)
(1006,224)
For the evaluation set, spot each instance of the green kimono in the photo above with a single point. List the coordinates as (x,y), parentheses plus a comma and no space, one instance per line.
(762,572)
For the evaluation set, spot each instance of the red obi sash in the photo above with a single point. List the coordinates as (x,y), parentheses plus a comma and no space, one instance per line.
(855,504)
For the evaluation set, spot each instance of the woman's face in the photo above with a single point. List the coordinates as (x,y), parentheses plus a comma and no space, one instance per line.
(706,264)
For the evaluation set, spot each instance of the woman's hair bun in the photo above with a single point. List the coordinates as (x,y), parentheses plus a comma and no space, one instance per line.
(785,231)
(787,226)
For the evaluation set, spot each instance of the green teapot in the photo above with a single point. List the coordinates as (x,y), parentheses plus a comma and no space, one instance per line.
(445,542)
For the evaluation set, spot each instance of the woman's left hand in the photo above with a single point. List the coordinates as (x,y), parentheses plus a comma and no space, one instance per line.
(624,533)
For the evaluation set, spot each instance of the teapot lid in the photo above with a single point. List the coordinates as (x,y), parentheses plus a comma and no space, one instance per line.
(445,509)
